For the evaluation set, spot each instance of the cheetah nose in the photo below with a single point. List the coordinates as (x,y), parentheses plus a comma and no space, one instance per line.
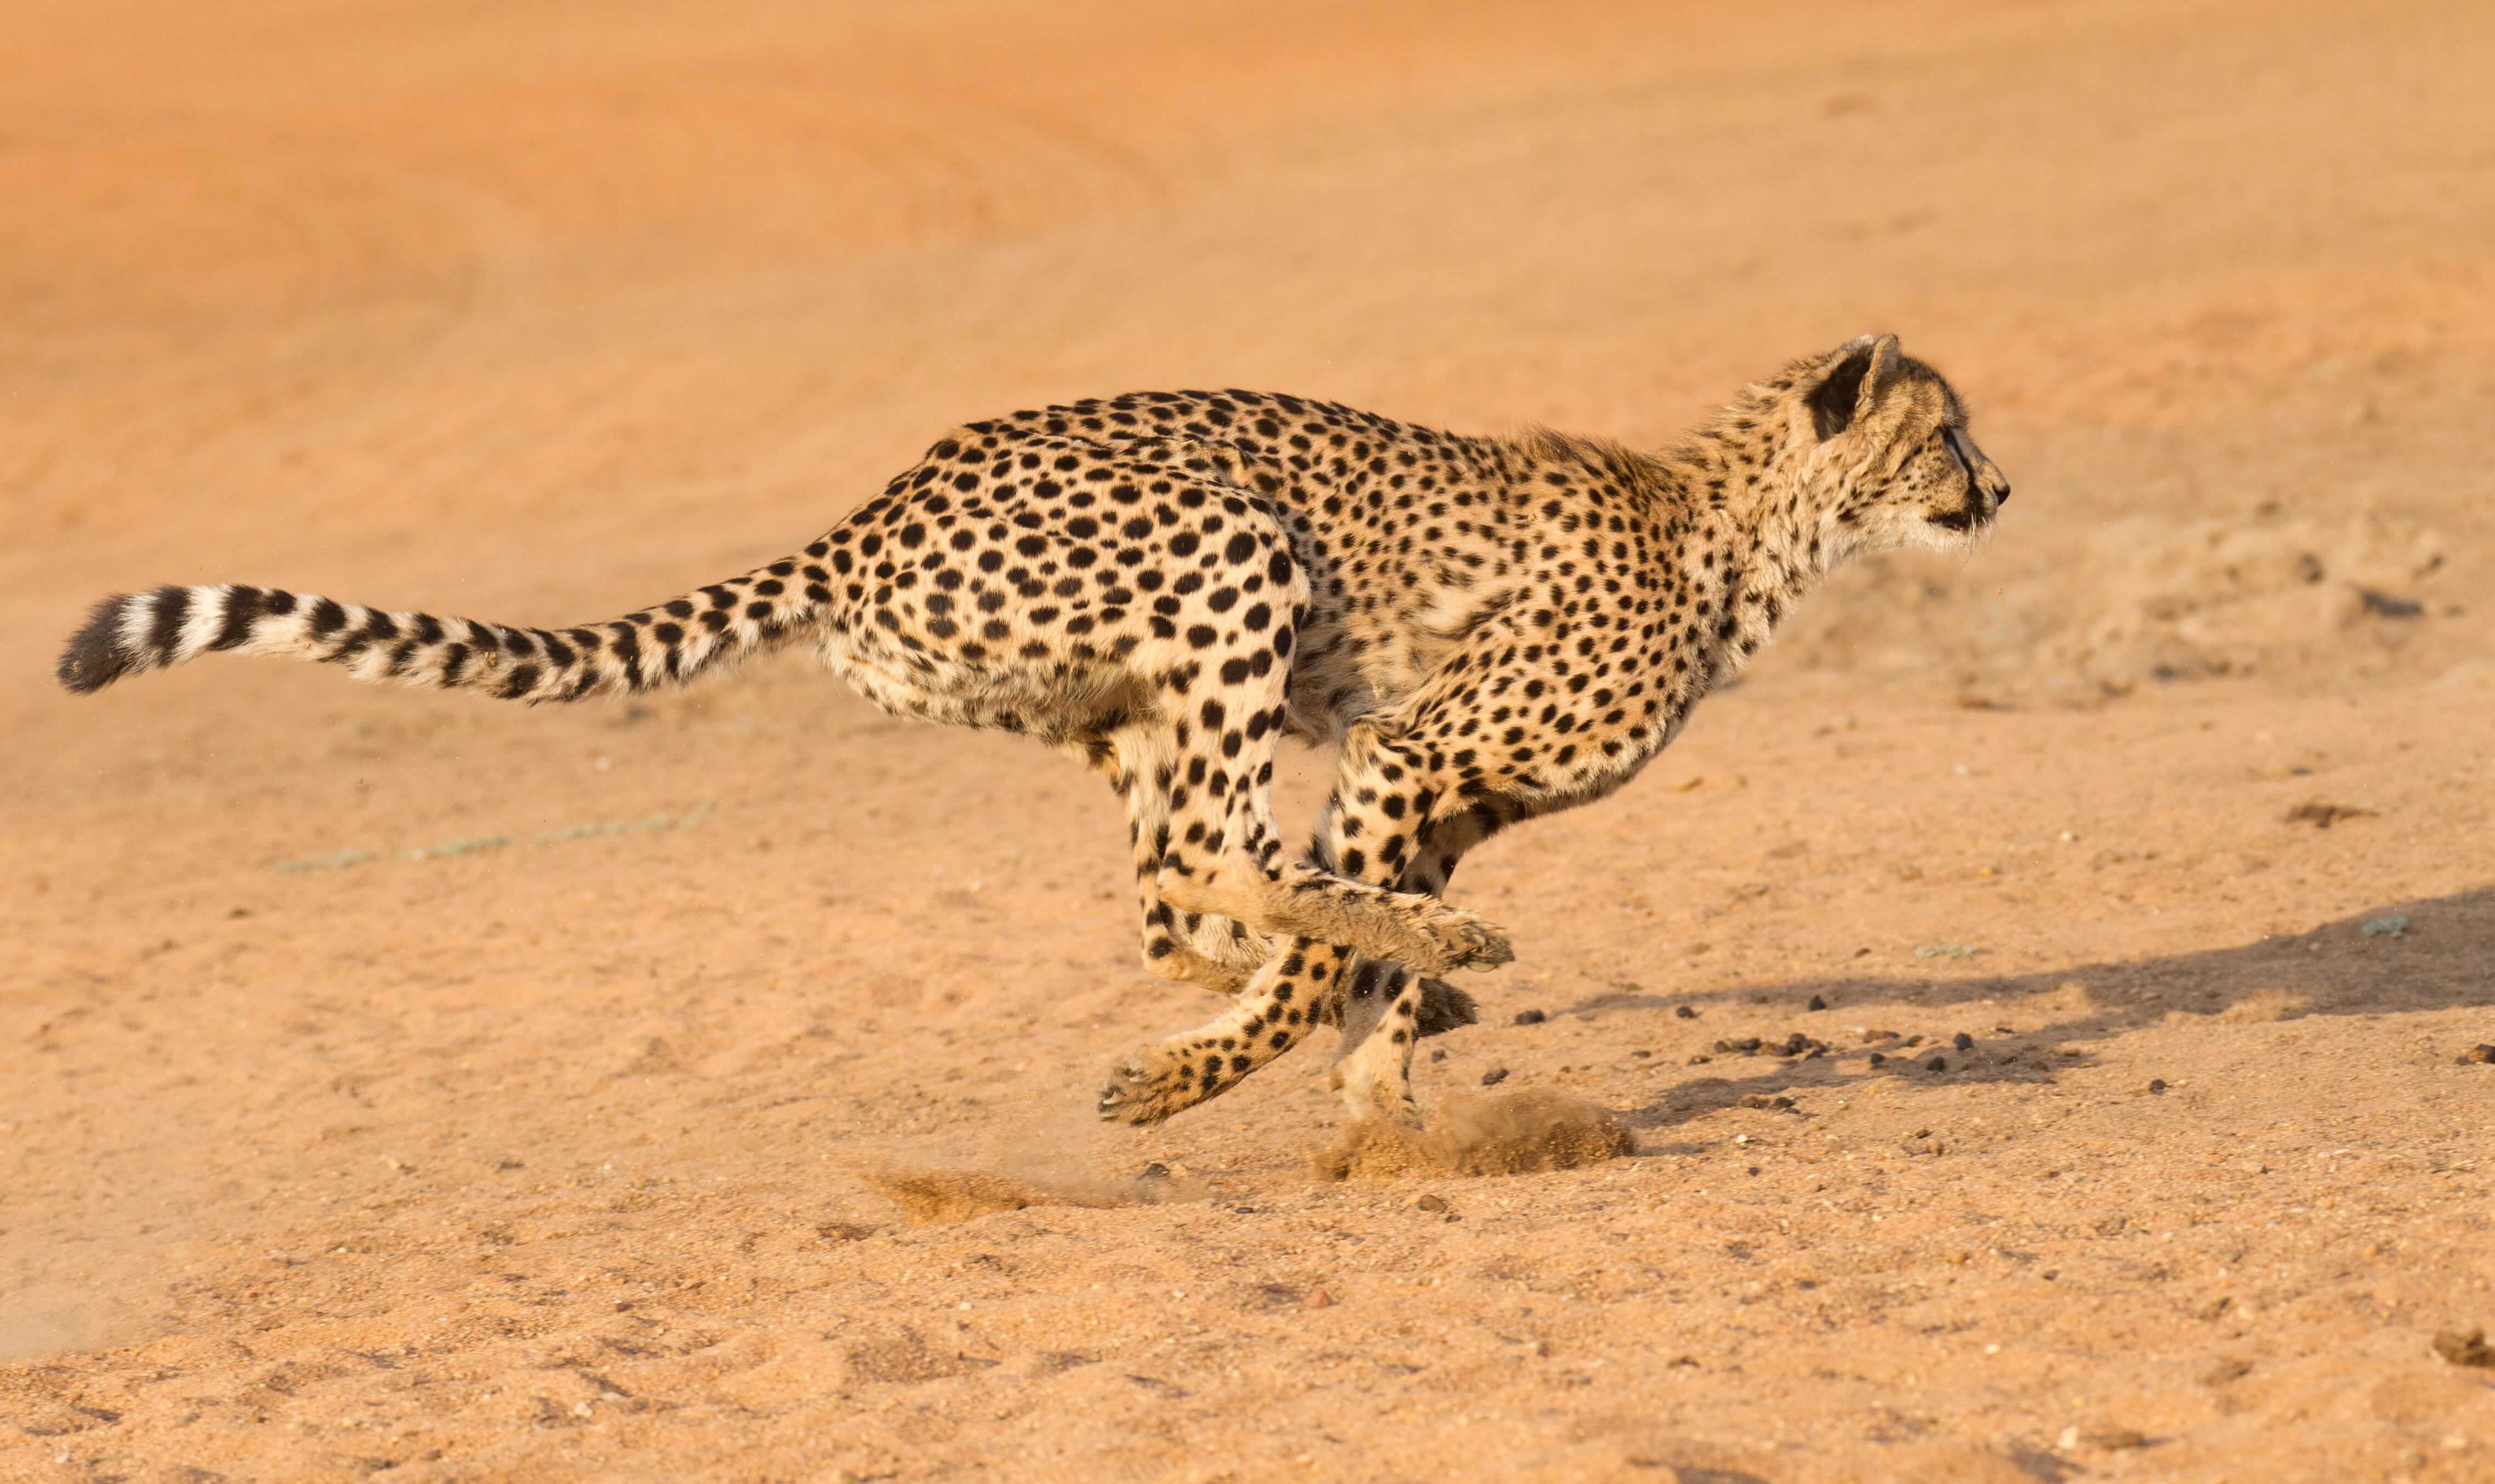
(2001,497)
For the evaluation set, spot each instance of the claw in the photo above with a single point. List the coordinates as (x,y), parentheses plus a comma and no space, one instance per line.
(1138,1094)
(1122,1101)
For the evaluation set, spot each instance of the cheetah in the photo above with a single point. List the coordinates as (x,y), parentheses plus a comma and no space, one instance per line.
(1164,585)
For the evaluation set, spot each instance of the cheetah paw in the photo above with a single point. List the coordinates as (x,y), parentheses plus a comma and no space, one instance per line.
(1374,1096)
(1450,938)
(1154,1082)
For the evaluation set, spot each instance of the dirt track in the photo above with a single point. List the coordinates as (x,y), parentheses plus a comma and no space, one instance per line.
(394,1082)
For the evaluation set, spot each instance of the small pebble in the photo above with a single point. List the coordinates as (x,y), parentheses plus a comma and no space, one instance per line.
(1530,1017)
(1938,1063)
(1156,1170)
(1431,1203)
(1437,1056)
(2156,1085)
(1684,1012)
(2226,1371)
(1318,1298)
(2469,1349)
(2477,1055)
(1641,1055)
(1877,1059)
(1962,1041)
(1700,1060)
(1817,1004)
(1494,1076)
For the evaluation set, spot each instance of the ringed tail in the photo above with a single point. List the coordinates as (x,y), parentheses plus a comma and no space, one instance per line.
(668,644)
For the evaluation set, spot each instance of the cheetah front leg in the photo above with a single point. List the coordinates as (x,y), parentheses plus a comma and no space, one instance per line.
(1382,801)
(1141,763)
(1373,1071)
(1222,854)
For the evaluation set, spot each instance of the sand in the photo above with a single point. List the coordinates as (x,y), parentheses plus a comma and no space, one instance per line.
(403,1085)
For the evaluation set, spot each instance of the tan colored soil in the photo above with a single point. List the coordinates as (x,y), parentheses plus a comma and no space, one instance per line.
(398,1086)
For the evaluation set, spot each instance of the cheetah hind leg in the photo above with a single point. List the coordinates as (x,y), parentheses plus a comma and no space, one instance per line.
(1413,929)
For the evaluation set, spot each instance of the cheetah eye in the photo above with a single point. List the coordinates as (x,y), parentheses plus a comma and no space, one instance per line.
(1958,450)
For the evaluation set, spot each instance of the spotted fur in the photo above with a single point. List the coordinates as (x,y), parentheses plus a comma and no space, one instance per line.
(1165,584)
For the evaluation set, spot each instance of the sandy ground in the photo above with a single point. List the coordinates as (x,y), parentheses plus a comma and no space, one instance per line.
(395,1085)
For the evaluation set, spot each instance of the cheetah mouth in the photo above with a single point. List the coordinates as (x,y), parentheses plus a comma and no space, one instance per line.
(1961,521)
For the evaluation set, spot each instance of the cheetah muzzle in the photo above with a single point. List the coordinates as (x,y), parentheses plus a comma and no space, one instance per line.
(1164,585)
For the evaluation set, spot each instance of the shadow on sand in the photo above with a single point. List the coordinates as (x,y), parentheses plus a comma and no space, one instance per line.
(2442,956)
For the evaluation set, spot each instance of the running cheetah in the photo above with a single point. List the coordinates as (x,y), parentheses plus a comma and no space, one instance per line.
(1165,584)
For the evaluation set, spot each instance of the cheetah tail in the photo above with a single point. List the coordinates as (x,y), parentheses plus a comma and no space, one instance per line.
(665,645)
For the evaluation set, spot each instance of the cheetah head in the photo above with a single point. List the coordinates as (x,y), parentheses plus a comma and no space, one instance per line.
(1886,458)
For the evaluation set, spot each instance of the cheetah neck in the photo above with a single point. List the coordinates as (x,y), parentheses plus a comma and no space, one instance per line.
(1769,544)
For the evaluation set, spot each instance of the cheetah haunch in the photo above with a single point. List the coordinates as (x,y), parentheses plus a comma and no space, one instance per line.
(1165,584)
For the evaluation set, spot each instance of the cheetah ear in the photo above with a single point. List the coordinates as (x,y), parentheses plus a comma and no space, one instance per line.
(1856,375)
